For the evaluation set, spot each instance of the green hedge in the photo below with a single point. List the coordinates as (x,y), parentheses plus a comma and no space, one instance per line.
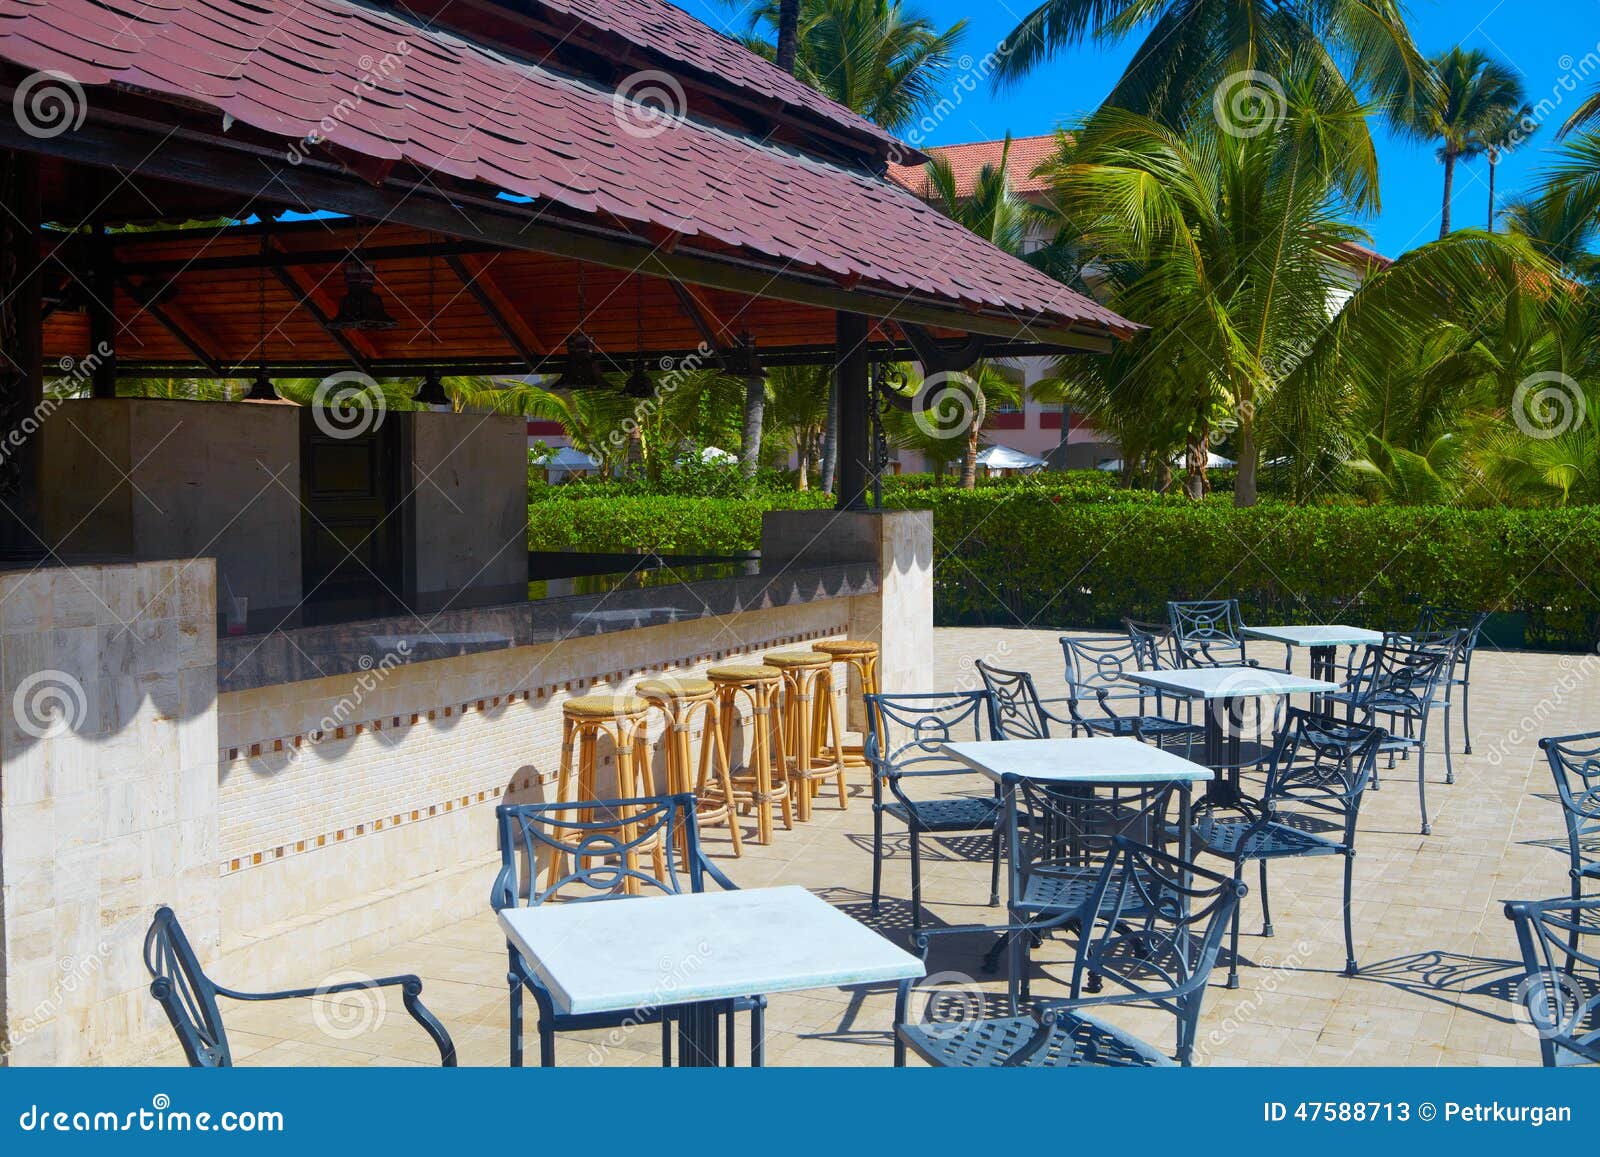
(1085,556)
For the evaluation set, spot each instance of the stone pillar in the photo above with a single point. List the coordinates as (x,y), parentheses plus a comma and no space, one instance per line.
(108,799)
(899,543)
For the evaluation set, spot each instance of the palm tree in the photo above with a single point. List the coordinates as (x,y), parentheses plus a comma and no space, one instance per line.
(879,58)
(1198,56)
(999,216)
(1469,110)
(1515,118)
(798,413)
(1225,245)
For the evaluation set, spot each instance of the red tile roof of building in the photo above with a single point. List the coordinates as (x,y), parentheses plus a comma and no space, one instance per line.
(376,84)
(967,161)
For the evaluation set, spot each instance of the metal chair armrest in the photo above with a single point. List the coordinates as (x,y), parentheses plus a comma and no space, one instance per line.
(411,994)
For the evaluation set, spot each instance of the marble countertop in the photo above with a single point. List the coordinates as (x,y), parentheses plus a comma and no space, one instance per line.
(296,653)
(1230,682)
(666,950)
(1319,636)
(1096,760)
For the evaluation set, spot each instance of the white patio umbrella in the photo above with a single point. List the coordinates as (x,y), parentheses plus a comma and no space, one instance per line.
(1005,458)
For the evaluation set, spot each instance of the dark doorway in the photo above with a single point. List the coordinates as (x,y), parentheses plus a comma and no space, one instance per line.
(352,529)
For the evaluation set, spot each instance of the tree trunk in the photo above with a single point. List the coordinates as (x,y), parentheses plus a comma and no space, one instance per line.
(969,460)
(1164,476)
(1494,161)
(1244,483)
(830,435)
(755,411)
(1195,456)
(788,33)
(1449,191)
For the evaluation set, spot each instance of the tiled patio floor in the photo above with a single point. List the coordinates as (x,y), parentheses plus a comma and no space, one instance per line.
(1437,952)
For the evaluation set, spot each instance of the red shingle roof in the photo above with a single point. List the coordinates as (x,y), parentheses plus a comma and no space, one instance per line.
(665,28)
(377,84)
(966,161)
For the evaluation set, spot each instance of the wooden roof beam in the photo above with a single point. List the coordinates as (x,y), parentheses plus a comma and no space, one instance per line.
(519,335)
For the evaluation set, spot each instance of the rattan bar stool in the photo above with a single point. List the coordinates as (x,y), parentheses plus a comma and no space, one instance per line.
(620,717)
(764,780)
(861,656)
(681,699)
(812,731)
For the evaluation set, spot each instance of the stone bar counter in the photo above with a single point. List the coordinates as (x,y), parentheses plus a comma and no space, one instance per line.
(306,792)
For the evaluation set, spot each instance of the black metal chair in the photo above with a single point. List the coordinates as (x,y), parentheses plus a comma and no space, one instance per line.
(1575,763)
(1399,684)
(904,733)
(1154,927)
(1560,943)
(1452,643)
(1095,670)
(1153,648)
(1210,633)
(1319,771)
(1432,620)
(1058,840)
(1015,709)
(601,840)
(189,996)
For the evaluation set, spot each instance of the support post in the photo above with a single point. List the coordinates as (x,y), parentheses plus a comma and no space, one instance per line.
(102,318)
(855,441)
(21,344)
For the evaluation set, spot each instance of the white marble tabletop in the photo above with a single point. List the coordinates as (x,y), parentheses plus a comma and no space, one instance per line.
(1229,682)
(616,955)
(1097,760)
(1332,635)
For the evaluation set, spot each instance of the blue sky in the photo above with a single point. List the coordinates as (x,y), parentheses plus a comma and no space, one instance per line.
(1552,43)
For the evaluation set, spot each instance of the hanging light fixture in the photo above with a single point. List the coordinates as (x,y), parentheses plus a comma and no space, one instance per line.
(581,372)
(432,391)
(638,384)
(261,389)
(361,308)
(742,360)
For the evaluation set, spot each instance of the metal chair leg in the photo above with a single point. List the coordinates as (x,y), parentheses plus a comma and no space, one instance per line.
(916,880)
(1350,967)
(1266,905)
(1422,786)
(1233,935)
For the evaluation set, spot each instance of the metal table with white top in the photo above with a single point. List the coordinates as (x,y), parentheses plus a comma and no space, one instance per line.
(1223,691)
(1322,641)
(693,953)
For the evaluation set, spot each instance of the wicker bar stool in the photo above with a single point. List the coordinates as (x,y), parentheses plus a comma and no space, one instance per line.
(812,731)
(680,699)
(585,719)
(763,780)
(861,656)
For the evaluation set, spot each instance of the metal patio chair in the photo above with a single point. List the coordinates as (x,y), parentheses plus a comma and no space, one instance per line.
(1431,620)
(1058,840)
(1395,687)
(1154,929)
(1015,709)
(1320,769)
(189,996)
(1560,991)
(1095,670)
(1153,646)
(602,841)
(904,733)
(1575,763)
(1210,633)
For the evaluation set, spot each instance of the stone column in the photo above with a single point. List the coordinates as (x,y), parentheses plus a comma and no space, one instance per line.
(899,543)
(108,799)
